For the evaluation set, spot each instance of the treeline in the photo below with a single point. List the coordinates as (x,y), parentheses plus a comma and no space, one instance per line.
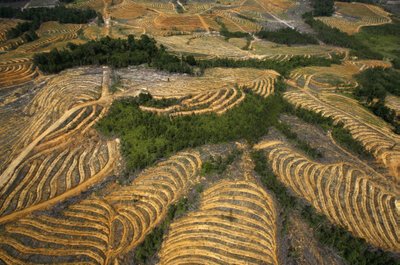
(335,37)
(287,36)
(323,7)
(113,52)
(27,30)
(283,67)
(37,16)
(374,85)
(131,51)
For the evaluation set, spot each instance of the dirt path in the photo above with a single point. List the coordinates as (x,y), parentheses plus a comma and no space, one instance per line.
(203,22)
(106,16)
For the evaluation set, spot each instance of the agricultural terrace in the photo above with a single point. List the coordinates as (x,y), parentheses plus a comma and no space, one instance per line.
(375,135)
(344,193)
(234,224)
(336,76)
(351,17)
(97,230)
(58,154)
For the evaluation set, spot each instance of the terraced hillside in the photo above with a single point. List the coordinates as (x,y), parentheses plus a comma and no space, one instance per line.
(16,72)
(235,224)
(376,137)
(344,193)
(175,132)
(350,17)
(58,153)
(97,230)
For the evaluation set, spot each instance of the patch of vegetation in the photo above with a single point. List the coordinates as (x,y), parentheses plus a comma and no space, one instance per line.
(152,242)
(271,182)
(246,17)
(344,137)
(323,7)
(383,39)
(218,165)
(336,37)
(146,137)
(354,250)
(286,130)
(114,52)
(229,34)
(287,36)
(39,15)
(149,101)
(374,84)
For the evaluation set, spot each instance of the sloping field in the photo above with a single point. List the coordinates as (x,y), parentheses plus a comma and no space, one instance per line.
(97,230)
(372,132)
(344,193)
(350,17)
(235,224)
(58,154)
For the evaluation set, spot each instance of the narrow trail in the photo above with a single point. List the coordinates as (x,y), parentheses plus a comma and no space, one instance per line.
(273,15)
(106,16)
(203,22)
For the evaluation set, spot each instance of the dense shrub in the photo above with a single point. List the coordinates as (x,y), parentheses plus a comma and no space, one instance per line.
(287,36)
(113,52)
(147,137)
(323,7)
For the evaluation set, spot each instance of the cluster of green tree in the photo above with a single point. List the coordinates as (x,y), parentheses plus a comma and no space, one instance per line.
(284,68)
(219,164)
(287,36)
(60,14)
(384,39)
(323,7)
(39,15)
(113,52)
(148,249)
(354,250)
(374,85)
(335,37)
(286,130)
(146,137)
(26,30)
